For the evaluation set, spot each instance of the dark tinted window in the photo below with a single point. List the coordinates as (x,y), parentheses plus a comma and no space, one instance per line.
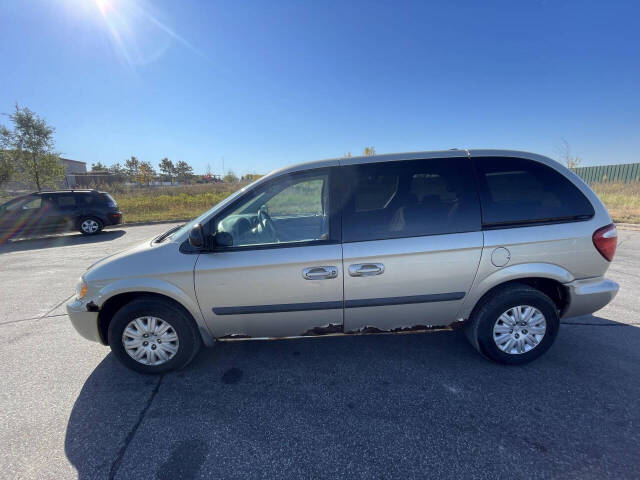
(106,198)
(514,190)
(409,199)
(65,200)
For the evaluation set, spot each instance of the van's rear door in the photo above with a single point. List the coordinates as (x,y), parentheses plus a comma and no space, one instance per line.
(411,243)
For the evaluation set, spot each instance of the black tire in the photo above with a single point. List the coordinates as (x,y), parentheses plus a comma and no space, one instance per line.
(84,231)
(189,340)
(479,330)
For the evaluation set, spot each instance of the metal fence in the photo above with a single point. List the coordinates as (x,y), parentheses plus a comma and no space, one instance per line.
(623,172)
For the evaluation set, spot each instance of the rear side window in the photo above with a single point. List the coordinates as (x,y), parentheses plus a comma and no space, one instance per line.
(409,199)
(516,191)
(65,200)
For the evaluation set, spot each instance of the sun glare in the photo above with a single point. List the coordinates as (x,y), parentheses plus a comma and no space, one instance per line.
(137,31)
(103,5)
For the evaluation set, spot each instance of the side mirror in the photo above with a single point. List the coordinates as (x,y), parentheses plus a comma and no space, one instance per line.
(196,236)
(223,239)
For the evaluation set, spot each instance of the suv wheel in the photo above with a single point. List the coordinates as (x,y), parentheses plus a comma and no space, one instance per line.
(90,225)
(515,325)
(153,336)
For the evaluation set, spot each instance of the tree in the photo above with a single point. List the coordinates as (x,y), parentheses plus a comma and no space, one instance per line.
(98,167)
(230,177)
(132,167)
(6,165)
(145,173)
(251,177)
(167,168)
(116,169)
(564,151)
(31,149)
(183,171)
(369,151)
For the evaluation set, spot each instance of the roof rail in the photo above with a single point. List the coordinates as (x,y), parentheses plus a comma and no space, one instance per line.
(92,190)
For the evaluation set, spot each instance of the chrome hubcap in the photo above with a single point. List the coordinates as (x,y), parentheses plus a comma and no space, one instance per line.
(150,340)
(90,226)
(519,330)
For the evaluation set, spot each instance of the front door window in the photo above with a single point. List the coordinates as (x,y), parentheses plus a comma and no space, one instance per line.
(287,210)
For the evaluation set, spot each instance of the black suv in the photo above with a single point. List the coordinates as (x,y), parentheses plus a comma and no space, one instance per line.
(88,211)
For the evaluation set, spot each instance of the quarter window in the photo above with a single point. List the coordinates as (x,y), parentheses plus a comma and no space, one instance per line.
(519,191)
(409,199)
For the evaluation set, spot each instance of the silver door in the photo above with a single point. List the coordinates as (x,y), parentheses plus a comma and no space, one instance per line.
(408,282)
(281,275)
(277,292)
(412,243)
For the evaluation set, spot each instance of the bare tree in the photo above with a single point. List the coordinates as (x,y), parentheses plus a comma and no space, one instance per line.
(564,152)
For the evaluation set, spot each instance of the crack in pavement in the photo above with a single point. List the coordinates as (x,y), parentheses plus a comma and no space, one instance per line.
(115,466)
(59,304)
(9,322)
(41,317)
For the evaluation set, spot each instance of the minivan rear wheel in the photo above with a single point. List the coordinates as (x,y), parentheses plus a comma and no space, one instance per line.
(151,335)
(514,325)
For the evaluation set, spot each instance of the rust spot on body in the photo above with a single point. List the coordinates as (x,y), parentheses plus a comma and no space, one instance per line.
(234,336)
(410,329)
(325,330)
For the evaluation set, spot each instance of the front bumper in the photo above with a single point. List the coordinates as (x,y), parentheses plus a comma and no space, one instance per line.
(587,296)
(84,321)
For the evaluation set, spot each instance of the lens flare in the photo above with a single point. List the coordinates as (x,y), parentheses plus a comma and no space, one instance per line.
(137,33)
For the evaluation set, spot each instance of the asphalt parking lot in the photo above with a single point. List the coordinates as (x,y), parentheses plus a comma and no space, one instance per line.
(403,406)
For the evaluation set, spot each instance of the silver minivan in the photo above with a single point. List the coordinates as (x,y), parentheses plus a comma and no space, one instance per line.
(500,243)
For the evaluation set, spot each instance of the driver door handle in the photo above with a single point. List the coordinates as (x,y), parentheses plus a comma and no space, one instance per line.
(319,273)
(366,269)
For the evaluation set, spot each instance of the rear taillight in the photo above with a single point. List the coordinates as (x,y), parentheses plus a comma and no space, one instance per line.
(605,240)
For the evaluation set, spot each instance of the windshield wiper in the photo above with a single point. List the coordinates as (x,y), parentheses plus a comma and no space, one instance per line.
(168,233)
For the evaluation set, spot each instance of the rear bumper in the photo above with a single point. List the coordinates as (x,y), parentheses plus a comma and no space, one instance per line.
(587,296)
(114,218)
(84,321)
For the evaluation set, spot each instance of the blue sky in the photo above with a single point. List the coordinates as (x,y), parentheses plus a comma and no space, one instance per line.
(265,84)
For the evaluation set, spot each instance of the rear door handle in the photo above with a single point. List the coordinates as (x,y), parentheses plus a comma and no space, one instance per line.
(319,273)
(366,269)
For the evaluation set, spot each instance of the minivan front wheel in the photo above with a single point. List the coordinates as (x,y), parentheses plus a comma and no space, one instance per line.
(90,226)
(514,325)
(151,335)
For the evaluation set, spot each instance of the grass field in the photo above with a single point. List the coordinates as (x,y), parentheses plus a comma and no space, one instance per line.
(183,202)
(169,203)
(622,200)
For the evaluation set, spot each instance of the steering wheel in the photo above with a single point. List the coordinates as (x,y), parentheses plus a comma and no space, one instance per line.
(268,225)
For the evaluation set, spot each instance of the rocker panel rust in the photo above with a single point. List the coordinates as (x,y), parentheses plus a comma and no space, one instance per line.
(333,330)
